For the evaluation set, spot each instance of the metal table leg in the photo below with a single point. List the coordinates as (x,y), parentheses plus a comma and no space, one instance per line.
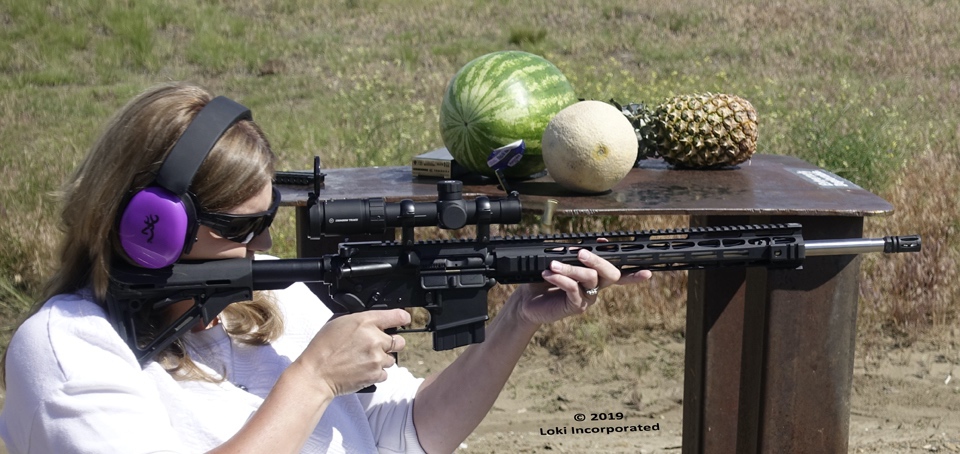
(769,361)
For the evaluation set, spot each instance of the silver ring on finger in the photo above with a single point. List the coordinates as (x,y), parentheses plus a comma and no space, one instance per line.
(393,343)
(591,291)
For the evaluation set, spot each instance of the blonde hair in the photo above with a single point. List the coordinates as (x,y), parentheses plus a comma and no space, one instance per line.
(126,158)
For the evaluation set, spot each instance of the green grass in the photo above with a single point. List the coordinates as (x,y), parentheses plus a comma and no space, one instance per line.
(863,89)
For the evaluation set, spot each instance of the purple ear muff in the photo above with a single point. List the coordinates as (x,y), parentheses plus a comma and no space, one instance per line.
(159,222)
(154,227)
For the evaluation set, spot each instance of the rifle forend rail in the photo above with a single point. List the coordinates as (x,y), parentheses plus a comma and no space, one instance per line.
(778,246)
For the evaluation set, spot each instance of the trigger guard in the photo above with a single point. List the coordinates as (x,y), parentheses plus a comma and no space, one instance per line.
(349,301)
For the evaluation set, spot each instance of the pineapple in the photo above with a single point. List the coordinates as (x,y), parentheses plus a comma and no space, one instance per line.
(641,117)
(696,131)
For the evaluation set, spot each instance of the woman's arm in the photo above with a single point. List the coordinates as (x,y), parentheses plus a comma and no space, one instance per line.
(329,367)
(287,417)
(451,404)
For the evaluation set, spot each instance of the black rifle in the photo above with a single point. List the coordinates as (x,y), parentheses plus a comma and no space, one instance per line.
(449,278)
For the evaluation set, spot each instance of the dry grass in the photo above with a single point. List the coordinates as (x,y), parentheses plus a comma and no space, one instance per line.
(866,89)
(909,297)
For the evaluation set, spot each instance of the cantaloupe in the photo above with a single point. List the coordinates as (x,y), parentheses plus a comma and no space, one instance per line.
(589,147)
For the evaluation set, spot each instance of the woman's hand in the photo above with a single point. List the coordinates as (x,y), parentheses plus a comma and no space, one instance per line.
(571,290)
(351,352)
(346,355)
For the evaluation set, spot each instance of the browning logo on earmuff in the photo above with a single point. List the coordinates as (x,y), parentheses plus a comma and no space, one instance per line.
(159,223)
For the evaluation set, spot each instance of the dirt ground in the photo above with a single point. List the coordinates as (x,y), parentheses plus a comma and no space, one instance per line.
(903,401)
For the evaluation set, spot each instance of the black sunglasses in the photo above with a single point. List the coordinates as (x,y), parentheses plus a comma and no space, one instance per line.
(241,228)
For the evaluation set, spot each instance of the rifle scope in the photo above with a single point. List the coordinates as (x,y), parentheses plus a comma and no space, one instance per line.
(375,215)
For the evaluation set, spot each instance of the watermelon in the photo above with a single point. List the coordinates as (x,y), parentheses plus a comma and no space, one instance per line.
(500,98)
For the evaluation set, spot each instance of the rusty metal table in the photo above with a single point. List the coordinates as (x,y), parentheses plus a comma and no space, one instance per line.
(769,353)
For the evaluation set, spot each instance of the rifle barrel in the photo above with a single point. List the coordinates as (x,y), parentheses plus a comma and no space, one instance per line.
(888,244)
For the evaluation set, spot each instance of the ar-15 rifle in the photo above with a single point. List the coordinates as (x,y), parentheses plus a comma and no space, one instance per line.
(449,278)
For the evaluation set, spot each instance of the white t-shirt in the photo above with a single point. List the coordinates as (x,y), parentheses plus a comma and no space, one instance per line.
(74,386)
